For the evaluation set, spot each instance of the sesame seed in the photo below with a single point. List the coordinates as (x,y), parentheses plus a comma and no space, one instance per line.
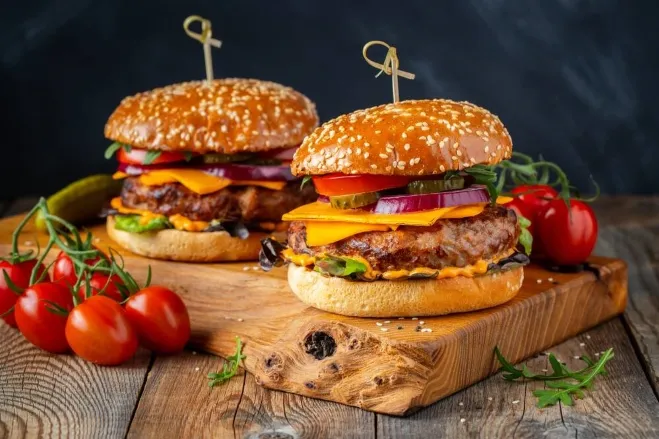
(455,145)
(442,168)
(377,131)
(588,337)
(384,329)
(461,404)
(539,281)
(404,135)
(551,279)
(463,420)
(196,369)
(422,322)
(384,156)
(378,323)
(245,268)
(516,401)
(459,153)
(426,330)
(240,320)
(576,357)
(366,154)
(489,398)
(374,166)
(406,147)
(387,322)
(415,318)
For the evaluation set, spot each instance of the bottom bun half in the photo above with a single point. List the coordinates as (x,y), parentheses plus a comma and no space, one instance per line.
(177,245)
(404,298)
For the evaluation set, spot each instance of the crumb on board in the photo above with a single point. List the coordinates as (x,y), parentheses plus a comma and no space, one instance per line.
(489,398)
(197,369)
(463,420)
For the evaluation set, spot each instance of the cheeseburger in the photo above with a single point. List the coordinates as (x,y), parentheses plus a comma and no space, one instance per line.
(408,221)
(206,168)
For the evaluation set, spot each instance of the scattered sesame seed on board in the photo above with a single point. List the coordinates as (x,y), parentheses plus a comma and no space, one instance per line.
(240,319)
(426,330)
(196,369)
(378,323)
(551,279)
(516,401)
(384,329)
(463,420)
(245,268)
(588,337)
(415,318)
(386,322)
(539,281)
(461,404)
(576,357)
(489,398)
(194,352)
(401,318)
(582,344)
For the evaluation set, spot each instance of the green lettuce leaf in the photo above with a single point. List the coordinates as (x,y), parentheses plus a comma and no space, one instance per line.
(132,224)
(340,267)
(525,237)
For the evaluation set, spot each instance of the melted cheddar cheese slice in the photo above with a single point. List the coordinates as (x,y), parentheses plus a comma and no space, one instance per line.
(197,181)
(325,212)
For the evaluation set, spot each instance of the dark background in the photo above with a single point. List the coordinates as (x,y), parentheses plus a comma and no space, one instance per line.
(575,80)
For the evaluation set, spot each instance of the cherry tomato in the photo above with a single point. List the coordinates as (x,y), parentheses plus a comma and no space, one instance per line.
(137,156)
(99,331)
(524,210)
(340,184)
(99,281)
(568,234)
(19,274)
(64,269)
(534,196)
(36,317)
(160,318)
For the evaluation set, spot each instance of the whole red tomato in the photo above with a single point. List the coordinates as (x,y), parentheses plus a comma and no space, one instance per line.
(99,331)
(38,318)
(100,281)
(529,200)
(64,269)
(534,196)
(19,274)
(568,234)
(160,318)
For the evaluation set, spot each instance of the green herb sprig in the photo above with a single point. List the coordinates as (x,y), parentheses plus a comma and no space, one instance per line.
(114,147)
(563,384)
(229,368)
(305,180)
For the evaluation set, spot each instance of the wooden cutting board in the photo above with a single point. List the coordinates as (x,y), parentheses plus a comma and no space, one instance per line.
(387,366)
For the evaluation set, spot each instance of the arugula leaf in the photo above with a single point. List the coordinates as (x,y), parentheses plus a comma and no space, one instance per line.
(230,368)
(150,156)
(112,149)
(340,267)
(525,237)
(305,180)
(563,384)
(133,224)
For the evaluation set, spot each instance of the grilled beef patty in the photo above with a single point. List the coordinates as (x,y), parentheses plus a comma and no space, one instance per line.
(234,203)
(448,243)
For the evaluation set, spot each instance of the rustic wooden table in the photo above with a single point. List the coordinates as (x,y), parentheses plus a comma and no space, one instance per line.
(61,396)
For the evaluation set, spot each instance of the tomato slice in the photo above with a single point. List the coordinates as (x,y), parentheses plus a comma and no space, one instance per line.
(136,157)
(340,184)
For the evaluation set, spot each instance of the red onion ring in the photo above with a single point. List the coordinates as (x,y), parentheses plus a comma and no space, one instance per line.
(230,171)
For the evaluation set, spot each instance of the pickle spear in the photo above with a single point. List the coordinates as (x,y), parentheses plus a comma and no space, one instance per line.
(434,186)
(81,200)
(354,201)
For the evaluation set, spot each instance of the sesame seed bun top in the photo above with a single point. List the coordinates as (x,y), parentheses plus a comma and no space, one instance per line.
(415,137)
(227,116)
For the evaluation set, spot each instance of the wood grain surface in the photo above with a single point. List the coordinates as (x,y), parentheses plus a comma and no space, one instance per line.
(238,408)
(621,405)
(163,413)
(630,230)
(43,395)
(379,368)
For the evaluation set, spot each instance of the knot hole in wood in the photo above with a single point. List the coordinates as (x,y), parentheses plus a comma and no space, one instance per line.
(319,344)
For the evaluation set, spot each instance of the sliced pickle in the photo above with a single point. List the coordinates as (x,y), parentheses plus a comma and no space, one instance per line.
(434,186)
(213,159)
(354,201)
